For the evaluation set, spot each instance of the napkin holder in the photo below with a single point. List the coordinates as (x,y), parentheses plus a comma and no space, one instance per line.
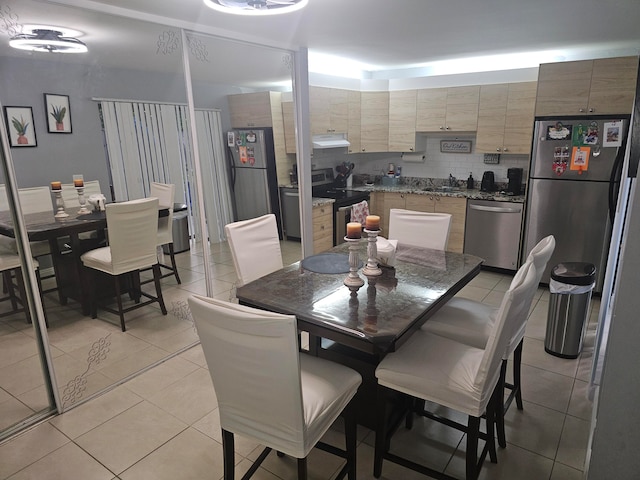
(97,201)
(386,251)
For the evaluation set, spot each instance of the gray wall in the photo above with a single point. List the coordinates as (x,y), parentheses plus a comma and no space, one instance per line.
(59,156)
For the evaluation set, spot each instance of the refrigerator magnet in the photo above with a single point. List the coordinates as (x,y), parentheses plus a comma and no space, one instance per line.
(243,154)
(558,131)
(231,139)
(251,137)
(580,159)
(612,136)
(592,134)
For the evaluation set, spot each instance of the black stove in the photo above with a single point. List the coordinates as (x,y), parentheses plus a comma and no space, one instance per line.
(342,196)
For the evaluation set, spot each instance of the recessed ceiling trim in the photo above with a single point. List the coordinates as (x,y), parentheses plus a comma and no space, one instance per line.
(256,7)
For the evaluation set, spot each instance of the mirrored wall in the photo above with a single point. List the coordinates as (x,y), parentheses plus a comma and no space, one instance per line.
(127,92)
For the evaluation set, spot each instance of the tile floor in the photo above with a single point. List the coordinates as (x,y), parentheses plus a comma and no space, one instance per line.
(163,424)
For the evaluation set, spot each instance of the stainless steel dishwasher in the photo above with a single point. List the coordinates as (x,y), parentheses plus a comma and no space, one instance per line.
(492,232)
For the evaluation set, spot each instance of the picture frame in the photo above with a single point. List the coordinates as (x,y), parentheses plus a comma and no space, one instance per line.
(20,127)
(58,113)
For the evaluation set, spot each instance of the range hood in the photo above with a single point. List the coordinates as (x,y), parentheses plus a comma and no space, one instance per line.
(334,140)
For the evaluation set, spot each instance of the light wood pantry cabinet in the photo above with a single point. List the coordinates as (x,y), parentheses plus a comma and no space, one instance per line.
(374,115)
(402,120)
(505,118)
(355,121)
(288,119)
(587,87)
(455,206)
(453,109)
(322,218)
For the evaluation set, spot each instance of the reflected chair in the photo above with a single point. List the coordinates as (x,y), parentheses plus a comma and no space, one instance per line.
(133,230)
(11,267)
(470,322)
(461,377)
(165,194)
(255,247)
(419,229)
(70,194)
(269,392)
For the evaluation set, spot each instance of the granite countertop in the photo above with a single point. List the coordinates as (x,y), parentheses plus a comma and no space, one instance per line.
(474,194)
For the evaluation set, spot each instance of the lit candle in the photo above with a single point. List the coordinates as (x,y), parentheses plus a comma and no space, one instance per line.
(78,181)
(372,222)
(354,230)
(56,185)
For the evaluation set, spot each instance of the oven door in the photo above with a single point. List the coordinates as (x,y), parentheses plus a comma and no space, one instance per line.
(342,217)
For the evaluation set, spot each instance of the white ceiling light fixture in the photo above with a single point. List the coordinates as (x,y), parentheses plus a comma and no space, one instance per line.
(48,39)
(256,7)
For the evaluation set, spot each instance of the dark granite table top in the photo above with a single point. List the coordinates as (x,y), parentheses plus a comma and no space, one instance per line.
(43,225)
(382,314)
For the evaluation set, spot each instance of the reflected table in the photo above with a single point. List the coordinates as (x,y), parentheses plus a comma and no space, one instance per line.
(362,326)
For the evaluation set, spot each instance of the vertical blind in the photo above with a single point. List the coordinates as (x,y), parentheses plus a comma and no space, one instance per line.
(150,142)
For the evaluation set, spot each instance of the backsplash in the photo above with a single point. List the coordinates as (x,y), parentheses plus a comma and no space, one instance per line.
(436,165)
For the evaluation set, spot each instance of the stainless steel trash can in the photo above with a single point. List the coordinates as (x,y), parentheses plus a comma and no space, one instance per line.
(180,227)
(570,296)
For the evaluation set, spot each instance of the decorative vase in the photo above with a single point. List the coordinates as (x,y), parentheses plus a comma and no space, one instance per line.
(22,140)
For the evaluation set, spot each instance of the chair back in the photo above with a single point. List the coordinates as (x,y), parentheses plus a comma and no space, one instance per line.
(254,365)
(35,200)
(133,229)
(539,256)
(255,247)
(514,306)
(420,229)
(165,193)
(70,194)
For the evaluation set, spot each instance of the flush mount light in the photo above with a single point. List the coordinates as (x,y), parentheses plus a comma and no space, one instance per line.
(47,40)
(256,7)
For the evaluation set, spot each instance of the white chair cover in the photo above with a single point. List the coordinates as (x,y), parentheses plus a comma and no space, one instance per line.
(32,200)
(470,322)
(266,389)
(164,193)
(133,228)
(451,373)
(255,247)
(420,229)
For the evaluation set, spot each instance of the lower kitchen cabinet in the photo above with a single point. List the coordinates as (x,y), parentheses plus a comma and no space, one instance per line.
(322,216)
(430,203)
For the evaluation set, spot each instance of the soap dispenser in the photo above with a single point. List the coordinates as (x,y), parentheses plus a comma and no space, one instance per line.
(470,185)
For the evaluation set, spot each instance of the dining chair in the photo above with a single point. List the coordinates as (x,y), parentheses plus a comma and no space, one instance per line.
(165,194)
(268,391)
(11,267)
(470,322)
(458,376)
(420,229)
(133,229)
(255,247)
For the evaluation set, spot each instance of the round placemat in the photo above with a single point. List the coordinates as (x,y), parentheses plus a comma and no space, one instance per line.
(327,263)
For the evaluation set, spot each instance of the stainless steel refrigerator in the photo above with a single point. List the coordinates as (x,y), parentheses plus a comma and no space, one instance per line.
(573,187)
(252,174)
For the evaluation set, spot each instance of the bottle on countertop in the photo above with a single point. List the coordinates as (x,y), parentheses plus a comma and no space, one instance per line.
(470,182)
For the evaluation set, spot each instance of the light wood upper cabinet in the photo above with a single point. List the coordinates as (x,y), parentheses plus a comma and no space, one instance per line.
(453,109)
(505,118)
(402,120)
(585,87)
(355,121)
(374,115)
(254,109)
(328,110)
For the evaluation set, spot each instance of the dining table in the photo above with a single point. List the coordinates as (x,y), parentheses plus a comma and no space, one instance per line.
(359,326)
(66,246)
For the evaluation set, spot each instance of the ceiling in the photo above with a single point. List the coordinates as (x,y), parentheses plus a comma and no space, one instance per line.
(385,39)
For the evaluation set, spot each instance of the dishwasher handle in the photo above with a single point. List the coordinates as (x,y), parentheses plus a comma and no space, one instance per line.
(483,208)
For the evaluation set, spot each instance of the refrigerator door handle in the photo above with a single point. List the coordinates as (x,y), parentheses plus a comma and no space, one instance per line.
(232,168)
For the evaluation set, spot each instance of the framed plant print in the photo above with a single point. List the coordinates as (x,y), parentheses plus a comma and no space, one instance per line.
(20,126)
(58,113)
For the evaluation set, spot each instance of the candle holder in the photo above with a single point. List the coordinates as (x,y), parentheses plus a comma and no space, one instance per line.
(82,201)
(371,268)
(60,205)
(353,280)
